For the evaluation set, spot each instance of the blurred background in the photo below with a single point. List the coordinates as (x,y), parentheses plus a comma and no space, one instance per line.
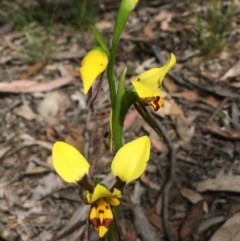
(42,43)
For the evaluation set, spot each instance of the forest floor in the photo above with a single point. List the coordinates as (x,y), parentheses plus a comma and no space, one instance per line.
(190,189)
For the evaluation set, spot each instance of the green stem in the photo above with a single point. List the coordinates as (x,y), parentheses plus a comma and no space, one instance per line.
(117,138)
(111,81)
(111,78)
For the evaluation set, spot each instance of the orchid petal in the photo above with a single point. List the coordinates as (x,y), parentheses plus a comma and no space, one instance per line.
(93,64)
(68,162)
(100,191)
(149,83)
(131,160)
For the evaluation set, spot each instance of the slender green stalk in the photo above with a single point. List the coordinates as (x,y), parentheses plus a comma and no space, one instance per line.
(111,78)
(124,11)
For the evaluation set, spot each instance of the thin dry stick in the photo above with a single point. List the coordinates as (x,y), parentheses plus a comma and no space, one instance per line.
(87,231)
(168,183)
(225,100)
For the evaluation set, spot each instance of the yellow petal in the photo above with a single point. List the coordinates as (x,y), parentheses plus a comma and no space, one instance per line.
(101,191)
(101,216)
(112,200)
(131,160)
(93,64)
(135,2)
(149,83)
(145,91)
(68,162)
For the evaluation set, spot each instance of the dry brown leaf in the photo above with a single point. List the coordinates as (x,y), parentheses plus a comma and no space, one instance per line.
(175,110)
(147,64)
(148,182)
(75,138)
(236,85)
(170,107)
(79,215)
(184,130)
(161,16)
(143,226)
(233,72)
(36,170)
(148,30)
(229,231)
(72,72)
(4,150)
(54,103)
(103,25)
(70,55)
(211,221)
(169,85)
(159,145)
(192,196)
(26,112)
(191,223)
(27,86)
(32,70)
(155,219)
(223,181)
(228,133)
(48,185)
(211,100)
(155,139)
(29,141)
(165,22)
(189,95)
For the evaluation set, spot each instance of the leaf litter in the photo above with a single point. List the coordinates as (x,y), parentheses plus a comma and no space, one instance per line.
(43,102)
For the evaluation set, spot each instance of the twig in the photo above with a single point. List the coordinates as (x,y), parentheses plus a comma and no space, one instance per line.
(159,129)
(217,109)
(168,184)
(235,116)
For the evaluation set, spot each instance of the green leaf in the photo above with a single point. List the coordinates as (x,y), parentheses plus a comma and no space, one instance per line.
(101,41)
(119,112)
(123,14)
(124,11)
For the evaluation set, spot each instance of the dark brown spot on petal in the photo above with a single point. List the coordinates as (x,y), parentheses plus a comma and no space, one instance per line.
(138,79)
(101,211)
(106,222)
(94,205)
(107,207)
(156,105)
(95,222)
(153,101)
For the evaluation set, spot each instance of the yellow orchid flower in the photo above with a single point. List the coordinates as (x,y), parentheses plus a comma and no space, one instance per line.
(148,84)
(128,164)
(92,65)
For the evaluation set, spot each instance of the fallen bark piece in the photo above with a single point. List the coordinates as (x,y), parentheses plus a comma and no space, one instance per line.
(229,231)
(27,86)
(192,221)
(227,133)
(223,181)
(144,228)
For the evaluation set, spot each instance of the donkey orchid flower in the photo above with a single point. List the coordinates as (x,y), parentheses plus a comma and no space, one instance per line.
(92,65)
(148,84)
(128,164)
